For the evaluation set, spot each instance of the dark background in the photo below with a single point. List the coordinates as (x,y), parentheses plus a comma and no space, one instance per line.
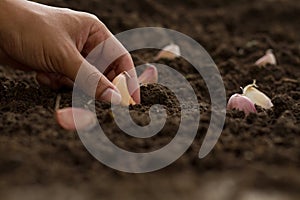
(256,157)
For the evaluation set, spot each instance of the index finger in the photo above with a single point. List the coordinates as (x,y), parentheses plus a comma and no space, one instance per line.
(110,57)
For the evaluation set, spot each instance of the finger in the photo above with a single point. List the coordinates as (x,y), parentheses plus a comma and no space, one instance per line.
(54,80)
(89,78)
(111,58)
(111,75)
(98,33)
(103,49)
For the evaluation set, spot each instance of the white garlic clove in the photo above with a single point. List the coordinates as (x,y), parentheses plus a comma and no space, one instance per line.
(257,96)
(150,75)
(121,83)
(242,103)
(268,58)
(72,118)
(170,52)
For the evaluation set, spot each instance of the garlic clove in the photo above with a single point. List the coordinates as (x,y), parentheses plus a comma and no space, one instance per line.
(121,83)
(268,58)
(170,52)
(85,119)
(242,103)
(150,75)
(257,96)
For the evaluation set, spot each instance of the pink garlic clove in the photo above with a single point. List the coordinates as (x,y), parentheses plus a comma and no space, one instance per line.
(85,119)
(170,52)
(150,75)
(121,83)
(256,96)
(268,58)
(242,103)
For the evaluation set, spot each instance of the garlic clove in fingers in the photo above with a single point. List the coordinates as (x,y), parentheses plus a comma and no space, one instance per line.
(256,96)
(121,83)
(242,103)
(150,75)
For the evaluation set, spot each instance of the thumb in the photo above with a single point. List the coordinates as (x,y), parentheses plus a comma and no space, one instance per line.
(90,80)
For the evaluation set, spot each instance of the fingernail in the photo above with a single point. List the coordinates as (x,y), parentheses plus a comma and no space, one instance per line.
(112,96)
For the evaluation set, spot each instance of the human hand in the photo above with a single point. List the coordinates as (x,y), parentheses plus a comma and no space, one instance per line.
(54,41)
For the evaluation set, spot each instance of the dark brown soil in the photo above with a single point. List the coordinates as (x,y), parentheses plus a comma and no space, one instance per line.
(256,157)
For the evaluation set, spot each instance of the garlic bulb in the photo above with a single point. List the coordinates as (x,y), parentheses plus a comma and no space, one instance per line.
(85,119)
(170,52)
(150,75)
(256,96)
(242,103)
(121,83)
(268,58)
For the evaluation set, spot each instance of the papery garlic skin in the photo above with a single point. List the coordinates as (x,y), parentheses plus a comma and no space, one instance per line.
(242,103)
(85,119)
(268,58)
(257,97)
(150,75)
(170,52)
(121,83)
